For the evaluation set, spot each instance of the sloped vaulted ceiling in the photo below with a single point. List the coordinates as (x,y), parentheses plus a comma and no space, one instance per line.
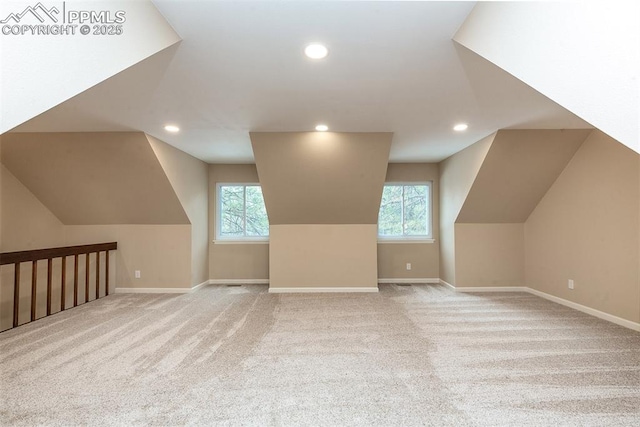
(516,173)
(321,178)
(392,67)
(94,178)
(41,71)
(585,56)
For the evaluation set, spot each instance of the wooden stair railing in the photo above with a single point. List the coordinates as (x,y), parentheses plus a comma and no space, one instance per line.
(33,256)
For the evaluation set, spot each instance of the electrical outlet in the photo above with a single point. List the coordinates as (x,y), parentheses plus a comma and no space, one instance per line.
(137,273)
(570,284)
(408,266)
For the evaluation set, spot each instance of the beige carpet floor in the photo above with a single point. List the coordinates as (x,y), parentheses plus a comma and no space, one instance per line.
(409,355)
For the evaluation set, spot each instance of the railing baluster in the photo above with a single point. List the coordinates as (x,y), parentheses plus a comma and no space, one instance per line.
(49,272)
(16,294)
(106,272)
(75,280)
(63,284)
(97,274)
(50,254)
(34,290)
(86,278)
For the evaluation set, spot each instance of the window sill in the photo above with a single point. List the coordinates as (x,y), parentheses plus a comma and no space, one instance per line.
(266,242)
(406,241)
(241,242)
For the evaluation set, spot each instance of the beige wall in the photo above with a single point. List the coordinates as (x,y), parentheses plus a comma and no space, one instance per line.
(239,261)
(393,259)
(190,180)
(321,177)
(457,174)
(26,222)
(162,253)
(234,260)
(424,257)
(489,255)
(516,172)
(251,261)
(587,228)
(324,255)
(94,177)
(311,180)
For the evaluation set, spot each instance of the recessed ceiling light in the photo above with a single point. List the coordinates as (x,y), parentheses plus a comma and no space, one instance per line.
(460,127)
(322,128)
(316,51)
(172,128)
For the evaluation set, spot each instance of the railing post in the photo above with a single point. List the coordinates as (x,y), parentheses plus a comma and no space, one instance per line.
(49,285)
(16,294)
(34,288)
(86,278)
(106,274)
(97,274)
(75,280)
(63,284)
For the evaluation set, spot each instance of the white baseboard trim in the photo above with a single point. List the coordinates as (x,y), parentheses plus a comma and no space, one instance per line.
(442,282)
(321,290)
(266,281)
(238,281)
(583,308)
(588,310)
(472,289)
(405,280)
(122,290)
(574,305)
(153,290)
(196,287)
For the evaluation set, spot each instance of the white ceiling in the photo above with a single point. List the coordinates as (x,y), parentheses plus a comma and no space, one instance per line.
(392,67)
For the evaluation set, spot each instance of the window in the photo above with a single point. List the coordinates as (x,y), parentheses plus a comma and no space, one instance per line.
(241,213)
(405,211)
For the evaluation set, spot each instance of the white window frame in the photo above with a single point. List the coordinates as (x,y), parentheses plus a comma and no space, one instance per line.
(218,222)
(412,239)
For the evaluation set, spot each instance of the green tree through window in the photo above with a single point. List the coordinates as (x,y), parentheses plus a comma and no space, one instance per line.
(405,211)
(242,212)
